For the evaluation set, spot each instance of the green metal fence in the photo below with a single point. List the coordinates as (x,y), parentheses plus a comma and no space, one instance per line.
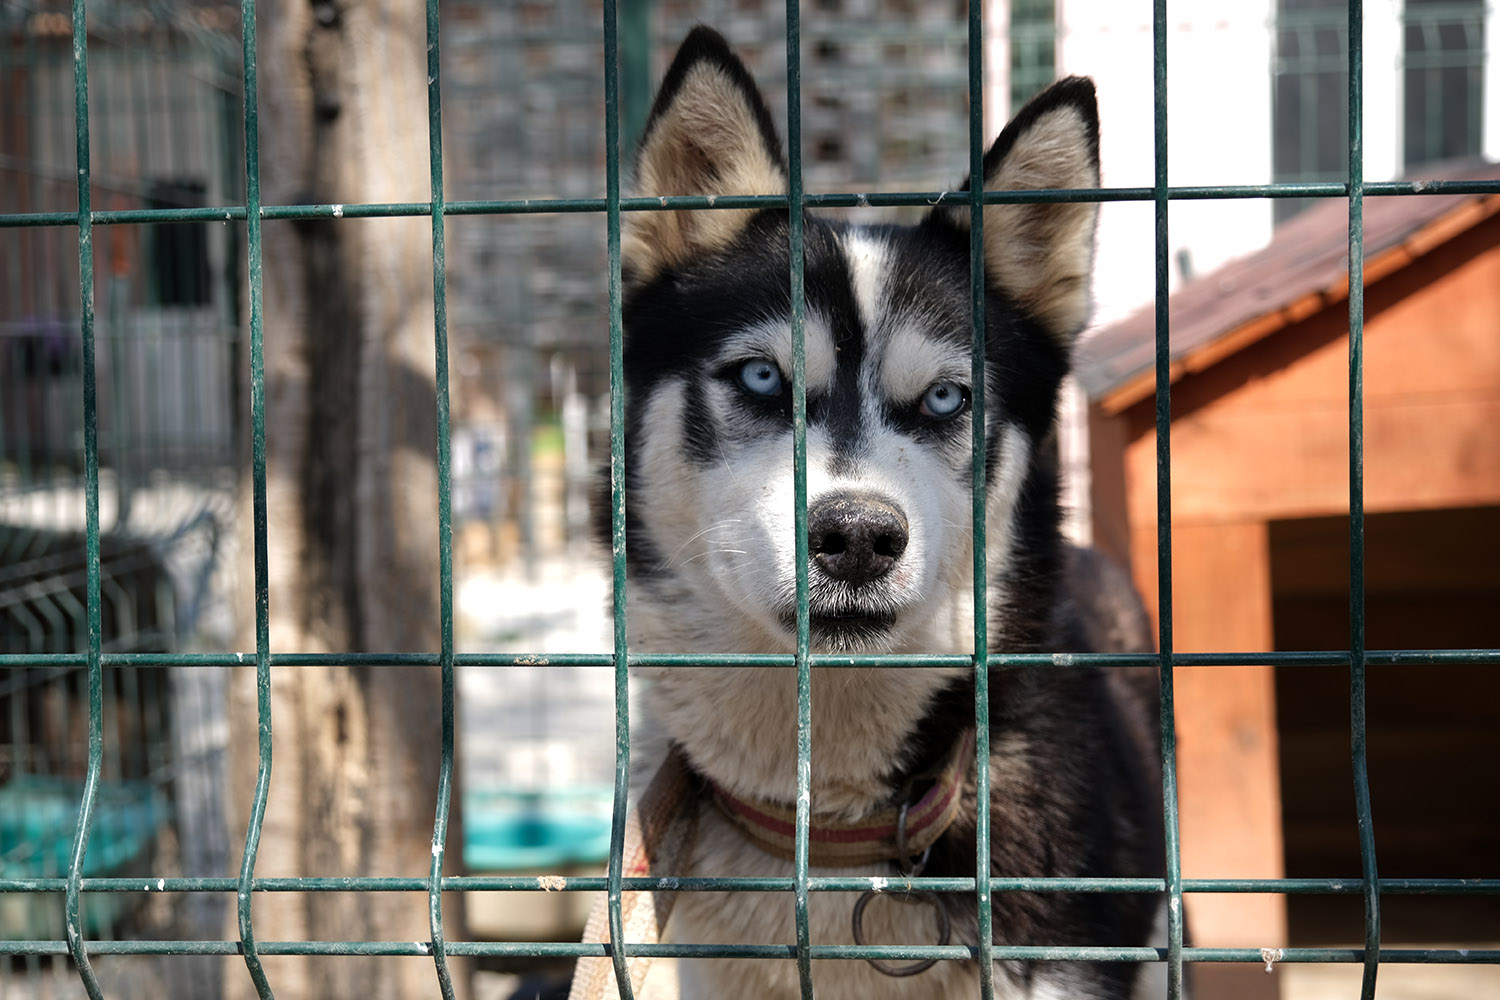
(68,892)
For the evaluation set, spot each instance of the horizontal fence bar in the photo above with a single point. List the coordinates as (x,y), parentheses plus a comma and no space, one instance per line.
(1349,886)
(1294,658)
(843,199)
(559,949)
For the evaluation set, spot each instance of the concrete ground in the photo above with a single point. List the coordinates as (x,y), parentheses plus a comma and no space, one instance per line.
(1295,982)
(1394,982)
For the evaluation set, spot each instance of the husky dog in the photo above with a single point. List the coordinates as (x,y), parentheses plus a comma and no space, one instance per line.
(1074,787)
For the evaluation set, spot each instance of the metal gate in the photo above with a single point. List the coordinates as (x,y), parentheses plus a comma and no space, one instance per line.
(94,659)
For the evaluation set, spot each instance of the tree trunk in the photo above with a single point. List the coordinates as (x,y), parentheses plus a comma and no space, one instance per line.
(351,438)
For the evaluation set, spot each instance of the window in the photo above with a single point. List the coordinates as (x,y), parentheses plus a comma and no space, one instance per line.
(1442,82)
(1309,97)
(1033,48)
(1443,59)
(179,250)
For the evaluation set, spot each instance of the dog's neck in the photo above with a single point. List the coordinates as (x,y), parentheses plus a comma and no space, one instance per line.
(737,725)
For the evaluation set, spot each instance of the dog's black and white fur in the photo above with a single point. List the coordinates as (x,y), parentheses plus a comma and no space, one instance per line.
(708,361)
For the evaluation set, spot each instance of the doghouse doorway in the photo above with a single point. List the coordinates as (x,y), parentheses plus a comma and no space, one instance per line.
(1432,582)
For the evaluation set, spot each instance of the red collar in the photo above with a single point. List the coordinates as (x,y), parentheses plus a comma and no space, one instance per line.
(841,843)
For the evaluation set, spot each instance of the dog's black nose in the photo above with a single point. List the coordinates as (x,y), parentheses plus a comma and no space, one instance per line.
(855,537)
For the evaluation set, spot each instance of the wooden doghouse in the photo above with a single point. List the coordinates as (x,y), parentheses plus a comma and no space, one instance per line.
(1260,556)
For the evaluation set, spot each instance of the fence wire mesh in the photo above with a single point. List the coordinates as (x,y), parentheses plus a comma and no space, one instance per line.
(106,672)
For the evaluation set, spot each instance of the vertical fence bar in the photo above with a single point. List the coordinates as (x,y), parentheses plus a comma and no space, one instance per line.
(635,70)
(445,496)
(799,493)
(1357,720)
(1164,507)
(72,900)
(616,495)
(979,442)
(258,506)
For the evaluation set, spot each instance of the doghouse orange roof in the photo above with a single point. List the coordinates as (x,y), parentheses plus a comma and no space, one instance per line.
(1302,270)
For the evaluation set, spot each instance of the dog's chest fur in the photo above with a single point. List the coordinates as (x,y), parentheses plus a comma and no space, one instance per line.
(1042,823)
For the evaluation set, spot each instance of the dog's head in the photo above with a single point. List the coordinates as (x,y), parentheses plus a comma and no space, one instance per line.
(708,370)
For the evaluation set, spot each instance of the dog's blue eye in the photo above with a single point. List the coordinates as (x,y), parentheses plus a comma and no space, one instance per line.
(761,376)
(943,400)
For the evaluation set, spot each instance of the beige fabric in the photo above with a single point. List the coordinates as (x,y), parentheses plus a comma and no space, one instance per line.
(658,834)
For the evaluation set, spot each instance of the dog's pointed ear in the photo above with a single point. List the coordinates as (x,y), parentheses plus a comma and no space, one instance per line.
(709,134)
(1041,255)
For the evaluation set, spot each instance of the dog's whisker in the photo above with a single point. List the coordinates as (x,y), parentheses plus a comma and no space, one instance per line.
(672,560)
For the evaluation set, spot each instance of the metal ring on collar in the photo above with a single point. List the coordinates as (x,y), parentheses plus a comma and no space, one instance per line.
(945,931)
(909,869)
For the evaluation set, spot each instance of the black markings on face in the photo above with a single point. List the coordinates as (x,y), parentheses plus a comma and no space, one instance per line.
(680,326)
(830,292)
(701,430)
